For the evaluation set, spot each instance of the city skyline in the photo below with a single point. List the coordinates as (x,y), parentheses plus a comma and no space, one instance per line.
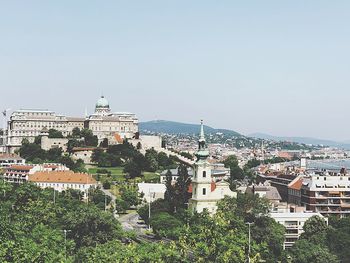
(271,68)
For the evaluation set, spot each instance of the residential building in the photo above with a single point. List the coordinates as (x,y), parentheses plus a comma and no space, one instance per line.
(205,192)
(63,180)
(265,191)
(7,159)
(327,193)
(294,223)
(19,173)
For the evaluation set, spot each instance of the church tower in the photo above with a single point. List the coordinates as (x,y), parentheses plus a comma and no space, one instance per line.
(205,192)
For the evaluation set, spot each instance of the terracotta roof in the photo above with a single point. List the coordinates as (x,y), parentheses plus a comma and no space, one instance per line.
(6,156)
(118,138)
(213,186)
(80,149)
(297,184)
(20,167)
(61,177)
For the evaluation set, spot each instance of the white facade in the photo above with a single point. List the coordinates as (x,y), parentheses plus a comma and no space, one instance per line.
(50,143)
(205,192)
(151,192)
(9,159)
(294,223)
(19,173)
(63,180)
(28,124)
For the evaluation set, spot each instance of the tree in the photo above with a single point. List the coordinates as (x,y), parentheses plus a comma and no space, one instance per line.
(89,138)
(72,143)
(231,161)
(54,154)
(90,227)
(104,143)
(166,225)
(132,169)
(130,196)
(170,194)
(314,225)
(236,173)
(53,133)
(76,133)
(309,252)
(99,198)
(181,187)
(151,159)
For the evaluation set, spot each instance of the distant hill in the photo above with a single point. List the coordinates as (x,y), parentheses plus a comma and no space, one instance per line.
(304,140)
(171,127)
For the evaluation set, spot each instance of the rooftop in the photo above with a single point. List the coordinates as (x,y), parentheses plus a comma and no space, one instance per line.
(61,177)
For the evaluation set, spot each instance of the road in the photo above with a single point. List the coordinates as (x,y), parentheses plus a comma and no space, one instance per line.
(106,192)
(129,222)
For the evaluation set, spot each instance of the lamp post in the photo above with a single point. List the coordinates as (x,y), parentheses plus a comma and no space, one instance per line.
(65,242)
(149,210)
(249,224)
(105,202)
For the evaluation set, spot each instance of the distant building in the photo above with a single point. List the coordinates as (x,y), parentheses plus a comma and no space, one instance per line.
(151,191)
(50,143)
(265,191)
(19,173)
(218,172)
(28,124)
(7,159)
(205,192)
(293,222)
(83,153)
(63,180)
(104,123)
(326,193)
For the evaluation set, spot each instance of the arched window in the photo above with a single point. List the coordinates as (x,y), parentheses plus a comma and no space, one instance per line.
(204,174)
(204,191)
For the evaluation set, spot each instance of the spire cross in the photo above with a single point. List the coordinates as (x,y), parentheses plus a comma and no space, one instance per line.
(201,136)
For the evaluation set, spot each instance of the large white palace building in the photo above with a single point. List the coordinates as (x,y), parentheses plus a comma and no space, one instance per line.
(27,124)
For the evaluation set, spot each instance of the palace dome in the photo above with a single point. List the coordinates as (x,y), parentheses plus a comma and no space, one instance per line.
(102,103)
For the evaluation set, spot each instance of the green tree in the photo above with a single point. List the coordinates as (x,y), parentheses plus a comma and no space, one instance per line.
(76,133)
(104,143)
(53,133)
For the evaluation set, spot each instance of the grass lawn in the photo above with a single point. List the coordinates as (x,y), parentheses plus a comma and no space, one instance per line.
(117,174)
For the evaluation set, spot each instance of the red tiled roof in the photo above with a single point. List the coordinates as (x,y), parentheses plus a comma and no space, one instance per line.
(297,184)
(213,186)
(61,177)
(20,167)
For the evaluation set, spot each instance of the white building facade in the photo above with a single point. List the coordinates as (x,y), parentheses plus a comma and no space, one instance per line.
(28,124)
(205,192)
(294,223)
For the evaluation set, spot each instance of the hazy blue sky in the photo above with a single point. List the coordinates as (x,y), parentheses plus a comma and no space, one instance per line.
(280,67)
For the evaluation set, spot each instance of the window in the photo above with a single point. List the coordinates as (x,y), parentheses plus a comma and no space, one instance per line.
(204,174)
(204,191)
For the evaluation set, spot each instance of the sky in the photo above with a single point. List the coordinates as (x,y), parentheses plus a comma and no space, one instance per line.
(277,67)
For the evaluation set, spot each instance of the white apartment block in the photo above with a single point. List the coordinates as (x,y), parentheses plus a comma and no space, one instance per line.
(9,159)
(19,173)
(294,223)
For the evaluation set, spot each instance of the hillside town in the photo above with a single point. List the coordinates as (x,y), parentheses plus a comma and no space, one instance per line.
(104,158)
(174,131)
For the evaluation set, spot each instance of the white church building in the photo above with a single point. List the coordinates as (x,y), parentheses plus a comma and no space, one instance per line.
(205,191)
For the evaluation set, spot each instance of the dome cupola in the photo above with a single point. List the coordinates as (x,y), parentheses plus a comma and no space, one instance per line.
(102,103)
